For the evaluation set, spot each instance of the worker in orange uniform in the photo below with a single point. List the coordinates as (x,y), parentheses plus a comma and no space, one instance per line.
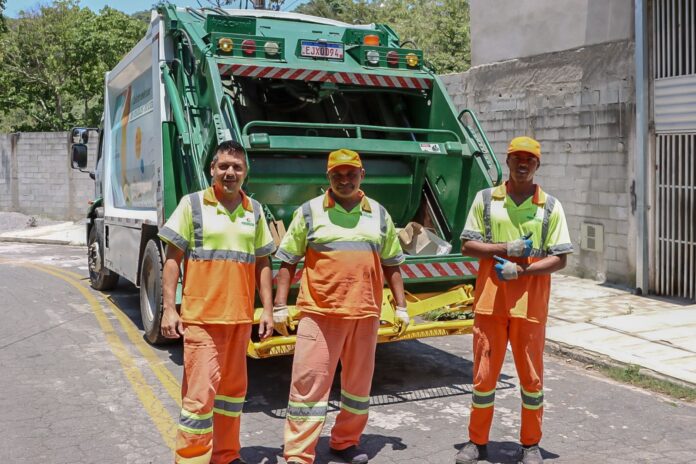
(350,247)
(224,241)
(519,234)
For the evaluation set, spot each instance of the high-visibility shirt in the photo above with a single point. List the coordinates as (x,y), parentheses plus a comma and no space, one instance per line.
(221,248)
(344,252)
(495,218)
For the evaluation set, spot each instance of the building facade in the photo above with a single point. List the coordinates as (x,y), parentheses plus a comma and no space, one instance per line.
(609,89)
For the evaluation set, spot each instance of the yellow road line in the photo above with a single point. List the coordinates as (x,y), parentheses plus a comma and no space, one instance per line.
(169,382)
(167,379)
(160,416)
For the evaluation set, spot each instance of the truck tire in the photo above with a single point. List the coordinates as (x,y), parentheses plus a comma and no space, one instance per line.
(151,293)
(100,278)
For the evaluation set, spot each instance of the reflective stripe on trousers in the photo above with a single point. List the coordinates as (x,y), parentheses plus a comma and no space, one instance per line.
(321,342)
(213,391)
(491,336)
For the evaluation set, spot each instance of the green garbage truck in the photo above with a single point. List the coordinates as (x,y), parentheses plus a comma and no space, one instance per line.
(290,88)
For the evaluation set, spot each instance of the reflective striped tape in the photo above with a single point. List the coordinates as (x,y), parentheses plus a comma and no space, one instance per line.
(197,424)
(481,399)
(312,412)
(354,404)
(368,80)
(532,400)
(423,270)
(228,405)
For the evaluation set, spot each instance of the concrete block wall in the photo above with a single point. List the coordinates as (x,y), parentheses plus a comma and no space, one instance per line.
(36,177)
(579,104)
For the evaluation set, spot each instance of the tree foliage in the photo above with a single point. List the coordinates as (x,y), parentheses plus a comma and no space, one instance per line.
(53,64)
(439,27)
(242,4)
(2,16)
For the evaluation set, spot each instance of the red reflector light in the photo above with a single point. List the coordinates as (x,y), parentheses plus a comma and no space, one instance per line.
(248,47)
(393,58)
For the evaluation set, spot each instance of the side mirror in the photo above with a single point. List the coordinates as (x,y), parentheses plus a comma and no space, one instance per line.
(80,135)
(79,156)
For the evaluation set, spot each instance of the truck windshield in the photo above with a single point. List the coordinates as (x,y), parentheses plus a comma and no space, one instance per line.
(308,102)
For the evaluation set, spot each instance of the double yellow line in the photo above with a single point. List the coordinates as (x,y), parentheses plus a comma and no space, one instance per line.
(163,420)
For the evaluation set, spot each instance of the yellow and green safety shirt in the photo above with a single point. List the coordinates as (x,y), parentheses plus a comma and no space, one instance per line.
(495,218)
(344,252)
(221,248)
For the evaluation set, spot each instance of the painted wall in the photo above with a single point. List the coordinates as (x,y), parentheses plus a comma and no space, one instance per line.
(580,105)
(36,178)
(507,29)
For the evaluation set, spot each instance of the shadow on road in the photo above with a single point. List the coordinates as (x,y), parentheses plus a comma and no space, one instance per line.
(405,371)
(505,452)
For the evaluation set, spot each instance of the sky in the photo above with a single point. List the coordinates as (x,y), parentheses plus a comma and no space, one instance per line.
(13,7)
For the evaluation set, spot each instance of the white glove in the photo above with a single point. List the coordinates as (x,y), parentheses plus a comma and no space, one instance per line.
(520,247)
(506,270)
(280,319)
(402,315)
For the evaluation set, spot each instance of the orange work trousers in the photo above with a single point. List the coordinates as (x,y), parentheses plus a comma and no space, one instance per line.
(213,392)
(321,342)
(491,336)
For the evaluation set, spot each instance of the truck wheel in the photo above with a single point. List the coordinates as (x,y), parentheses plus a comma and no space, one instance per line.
(100,278)
(151,293)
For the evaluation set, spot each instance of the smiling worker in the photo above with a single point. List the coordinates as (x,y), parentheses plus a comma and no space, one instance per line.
(222,236)
(519,234)
(350,246)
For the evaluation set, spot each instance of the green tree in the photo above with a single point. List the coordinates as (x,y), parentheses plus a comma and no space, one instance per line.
(439,27)
(3,28)
(53,64)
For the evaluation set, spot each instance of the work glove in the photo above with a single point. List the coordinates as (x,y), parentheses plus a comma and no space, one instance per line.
(402,315)
(280,319)
(506,270)
(520,247)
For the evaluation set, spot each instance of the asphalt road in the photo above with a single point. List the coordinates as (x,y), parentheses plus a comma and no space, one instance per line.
(80,386)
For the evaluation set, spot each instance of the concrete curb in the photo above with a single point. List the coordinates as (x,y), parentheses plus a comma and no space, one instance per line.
(38,240)
(585,356)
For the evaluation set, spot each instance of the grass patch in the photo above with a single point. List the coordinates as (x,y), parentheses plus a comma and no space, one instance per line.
(632,375)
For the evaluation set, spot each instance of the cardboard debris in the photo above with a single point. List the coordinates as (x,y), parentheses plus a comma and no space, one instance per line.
(417,240)
(277,231)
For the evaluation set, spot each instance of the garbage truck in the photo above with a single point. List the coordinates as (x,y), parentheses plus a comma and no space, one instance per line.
(289,88)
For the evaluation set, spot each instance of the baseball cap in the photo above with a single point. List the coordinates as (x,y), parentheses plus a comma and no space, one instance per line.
(525,144)
(343,157)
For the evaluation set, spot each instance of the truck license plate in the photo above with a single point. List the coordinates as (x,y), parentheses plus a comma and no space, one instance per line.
(326,50)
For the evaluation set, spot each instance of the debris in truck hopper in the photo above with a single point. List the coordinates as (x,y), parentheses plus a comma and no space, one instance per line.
(418,241)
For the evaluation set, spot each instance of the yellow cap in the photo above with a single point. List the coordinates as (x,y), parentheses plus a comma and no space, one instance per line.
(525,144)
(343,157)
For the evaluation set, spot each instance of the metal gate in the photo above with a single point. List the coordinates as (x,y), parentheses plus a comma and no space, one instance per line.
(674,84)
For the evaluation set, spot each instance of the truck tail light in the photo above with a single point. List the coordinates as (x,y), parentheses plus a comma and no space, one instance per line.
(225,44)
(372,57)
(271,48)
(371,40)
(248,47)
(412,60)
(393,58)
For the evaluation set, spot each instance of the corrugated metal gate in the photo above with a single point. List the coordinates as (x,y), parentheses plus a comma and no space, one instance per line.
(674,74)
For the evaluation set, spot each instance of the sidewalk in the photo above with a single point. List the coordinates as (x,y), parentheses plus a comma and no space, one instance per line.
(64,233)
(597,323)
(588,321)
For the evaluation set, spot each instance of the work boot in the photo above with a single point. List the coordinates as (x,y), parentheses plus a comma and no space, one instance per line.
(352,454)
(471,453)
(531,455)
